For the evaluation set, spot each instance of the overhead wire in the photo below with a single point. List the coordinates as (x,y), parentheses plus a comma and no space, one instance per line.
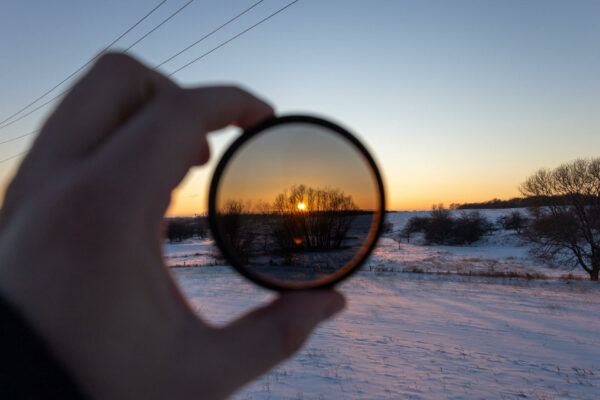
(233,38)
(208,35)
(164,21)
(19,137)
(169,59)
(127,49)
(2,125)
(80,68)
(28,113)
(13,157)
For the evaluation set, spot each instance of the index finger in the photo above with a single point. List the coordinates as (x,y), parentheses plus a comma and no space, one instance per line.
(152,152)
(115,88)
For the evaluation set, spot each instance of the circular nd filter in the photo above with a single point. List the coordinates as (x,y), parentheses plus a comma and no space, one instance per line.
(296,202)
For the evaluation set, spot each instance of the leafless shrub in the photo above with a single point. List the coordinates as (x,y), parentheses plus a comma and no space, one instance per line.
(514,221)
(233,223)
(312,219)
(180,228)
(413,225)
(570,277)
(566,229)
(440,227)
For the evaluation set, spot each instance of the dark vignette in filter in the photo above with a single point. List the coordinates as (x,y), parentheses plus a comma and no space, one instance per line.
(296,202)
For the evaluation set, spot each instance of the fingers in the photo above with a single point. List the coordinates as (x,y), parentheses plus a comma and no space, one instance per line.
(220,106)
(137,131)
(269,335)
(152,151)
(115,88)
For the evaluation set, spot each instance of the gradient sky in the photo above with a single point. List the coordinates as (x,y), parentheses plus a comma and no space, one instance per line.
(458,100)
(297,154)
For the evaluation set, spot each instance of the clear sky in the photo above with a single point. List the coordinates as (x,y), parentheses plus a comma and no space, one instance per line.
(458,100)
(293,155)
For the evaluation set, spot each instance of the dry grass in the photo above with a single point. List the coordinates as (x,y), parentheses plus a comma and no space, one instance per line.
(571,277)
(504,274)
(491,274)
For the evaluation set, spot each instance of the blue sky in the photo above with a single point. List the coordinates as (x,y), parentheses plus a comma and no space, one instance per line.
(458,100)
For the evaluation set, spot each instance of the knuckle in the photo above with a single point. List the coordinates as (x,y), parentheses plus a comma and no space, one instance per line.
(181,107)
(236,90)
(117,63)
(179,101)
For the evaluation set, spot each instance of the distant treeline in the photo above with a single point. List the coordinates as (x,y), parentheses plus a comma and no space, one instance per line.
(180,228)
(518,202)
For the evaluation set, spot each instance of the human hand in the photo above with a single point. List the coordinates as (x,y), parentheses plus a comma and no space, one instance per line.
(80,243)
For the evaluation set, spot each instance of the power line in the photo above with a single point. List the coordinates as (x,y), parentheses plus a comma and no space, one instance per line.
(233,38)
(12,157)
(28,113)
(81,67)
(178,69)
(19,137)
(4,125)
(208,34)
(158,26)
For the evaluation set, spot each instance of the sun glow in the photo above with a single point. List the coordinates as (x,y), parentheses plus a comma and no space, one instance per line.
(301,206)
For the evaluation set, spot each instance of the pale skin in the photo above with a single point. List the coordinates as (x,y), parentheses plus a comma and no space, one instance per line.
(80,244)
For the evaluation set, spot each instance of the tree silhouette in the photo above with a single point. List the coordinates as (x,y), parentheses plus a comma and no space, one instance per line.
(312,219)
(233,223)
(566,228)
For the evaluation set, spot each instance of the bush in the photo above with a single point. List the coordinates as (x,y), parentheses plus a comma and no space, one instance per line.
(387,227)
(441,228)
(469,228)
(514,221)
(414,225)
(233,218)
(179,229)
(200,226)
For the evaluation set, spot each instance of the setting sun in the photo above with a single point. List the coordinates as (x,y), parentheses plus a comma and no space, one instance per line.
(301,206)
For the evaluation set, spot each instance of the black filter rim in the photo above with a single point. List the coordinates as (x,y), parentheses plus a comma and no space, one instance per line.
(231,151)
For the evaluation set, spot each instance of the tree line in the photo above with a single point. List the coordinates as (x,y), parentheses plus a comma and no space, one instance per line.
(515,202)
(181,228)
(562,223)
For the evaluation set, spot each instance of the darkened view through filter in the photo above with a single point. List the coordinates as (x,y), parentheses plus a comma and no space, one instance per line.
(297,205)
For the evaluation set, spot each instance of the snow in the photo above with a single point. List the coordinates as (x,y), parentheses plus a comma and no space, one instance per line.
(194,252)
(502,251)
(426,335)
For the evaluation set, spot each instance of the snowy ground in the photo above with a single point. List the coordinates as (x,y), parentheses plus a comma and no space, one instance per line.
(502,251)
(426,336)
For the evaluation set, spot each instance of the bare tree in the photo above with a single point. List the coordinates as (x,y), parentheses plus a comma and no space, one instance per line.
(567,228)
(262,207)
(439,226)
(310,218)
(233,222)
(515,221)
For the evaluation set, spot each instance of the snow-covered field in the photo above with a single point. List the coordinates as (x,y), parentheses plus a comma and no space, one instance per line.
(426,336)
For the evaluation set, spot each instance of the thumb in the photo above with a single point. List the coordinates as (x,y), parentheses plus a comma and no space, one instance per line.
(270,334)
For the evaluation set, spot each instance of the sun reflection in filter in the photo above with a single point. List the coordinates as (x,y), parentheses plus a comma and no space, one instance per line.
(296,205)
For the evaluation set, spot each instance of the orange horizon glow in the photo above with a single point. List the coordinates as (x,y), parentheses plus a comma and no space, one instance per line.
(182,205)
(444,123)
(414,186)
